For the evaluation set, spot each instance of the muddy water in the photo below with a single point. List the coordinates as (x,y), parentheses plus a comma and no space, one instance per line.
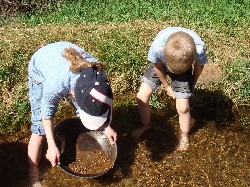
(218,154)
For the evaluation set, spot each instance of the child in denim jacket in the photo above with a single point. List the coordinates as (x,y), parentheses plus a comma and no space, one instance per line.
(56,71)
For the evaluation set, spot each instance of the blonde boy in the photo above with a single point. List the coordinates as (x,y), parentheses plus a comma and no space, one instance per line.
(179,53)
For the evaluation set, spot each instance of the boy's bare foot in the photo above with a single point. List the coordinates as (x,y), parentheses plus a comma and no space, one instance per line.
(183,144)
(34,177)
(136,134)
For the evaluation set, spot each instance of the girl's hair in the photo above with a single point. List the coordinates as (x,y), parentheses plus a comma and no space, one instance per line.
(78,62)
(179,52)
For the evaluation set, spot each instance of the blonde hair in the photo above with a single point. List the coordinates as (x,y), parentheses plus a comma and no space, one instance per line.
(78,62)
(179,52)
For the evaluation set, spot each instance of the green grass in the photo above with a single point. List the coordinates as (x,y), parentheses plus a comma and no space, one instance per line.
(236,82)
(119,33)
(219,13)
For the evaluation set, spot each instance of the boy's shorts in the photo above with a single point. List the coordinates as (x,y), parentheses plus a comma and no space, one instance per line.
(181,83)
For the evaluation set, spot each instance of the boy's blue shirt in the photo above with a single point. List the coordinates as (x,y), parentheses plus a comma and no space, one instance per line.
(48,67)
(155,53)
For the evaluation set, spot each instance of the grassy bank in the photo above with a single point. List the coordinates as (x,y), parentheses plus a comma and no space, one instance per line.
(119,34)
(215,13)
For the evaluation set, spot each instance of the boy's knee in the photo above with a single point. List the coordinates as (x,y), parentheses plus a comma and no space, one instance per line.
(182,108)
(144,93)
(140,98)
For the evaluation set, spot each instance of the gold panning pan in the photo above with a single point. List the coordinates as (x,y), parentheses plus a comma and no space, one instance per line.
(84,153)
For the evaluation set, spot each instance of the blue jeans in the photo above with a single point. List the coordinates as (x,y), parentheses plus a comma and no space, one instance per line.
(35,96)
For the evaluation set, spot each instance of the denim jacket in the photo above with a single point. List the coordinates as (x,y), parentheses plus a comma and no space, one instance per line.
(49,69)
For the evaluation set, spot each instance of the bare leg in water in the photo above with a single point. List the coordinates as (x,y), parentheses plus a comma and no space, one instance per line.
(142,98)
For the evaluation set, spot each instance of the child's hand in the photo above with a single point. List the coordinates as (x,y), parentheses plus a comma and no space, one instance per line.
(111,134)
(53,155)
(170,91)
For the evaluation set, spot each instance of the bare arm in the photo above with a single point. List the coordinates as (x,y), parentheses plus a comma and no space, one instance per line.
(198,68)
(160,72)
(53,154)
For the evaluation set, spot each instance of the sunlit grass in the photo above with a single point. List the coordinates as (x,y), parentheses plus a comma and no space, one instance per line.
(119,34)
(236,82)
(220,13)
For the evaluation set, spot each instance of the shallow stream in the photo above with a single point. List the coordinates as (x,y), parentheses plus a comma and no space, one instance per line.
(218,154)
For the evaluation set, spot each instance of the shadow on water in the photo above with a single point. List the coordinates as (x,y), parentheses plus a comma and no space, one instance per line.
(13,164)
(155,150)
(207,106)
(161,139)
